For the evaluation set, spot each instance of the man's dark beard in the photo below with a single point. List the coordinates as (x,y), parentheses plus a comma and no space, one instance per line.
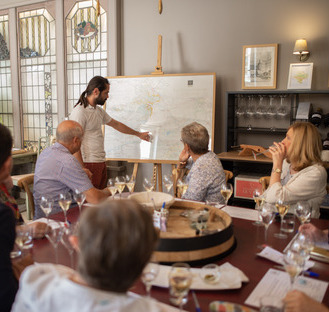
(100,101)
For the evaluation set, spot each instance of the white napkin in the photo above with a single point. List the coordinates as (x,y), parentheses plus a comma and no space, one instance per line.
(230,278)
(52,223)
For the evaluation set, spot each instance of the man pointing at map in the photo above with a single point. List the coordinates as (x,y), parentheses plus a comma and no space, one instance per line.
(91,117)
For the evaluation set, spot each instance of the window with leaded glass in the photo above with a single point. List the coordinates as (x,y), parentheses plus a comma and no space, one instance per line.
(6,103)
(86,43)
(37,44)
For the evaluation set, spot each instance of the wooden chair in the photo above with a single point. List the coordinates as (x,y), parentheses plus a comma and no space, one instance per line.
(25,182)
(265,182)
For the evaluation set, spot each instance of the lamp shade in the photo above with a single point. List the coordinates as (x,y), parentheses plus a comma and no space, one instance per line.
(301,47)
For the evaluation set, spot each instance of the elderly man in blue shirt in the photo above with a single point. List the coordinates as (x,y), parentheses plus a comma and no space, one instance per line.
(58,171)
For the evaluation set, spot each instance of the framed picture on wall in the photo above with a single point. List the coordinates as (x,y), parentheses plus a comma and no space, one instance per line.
(259,66)
(300,76)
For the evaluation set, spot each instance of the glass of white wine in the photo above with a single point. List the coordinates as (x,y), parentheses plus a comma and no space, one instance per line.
(130,182)
(167,182)
(182,186)
(282,209)
(149,273)
(303,211)
(46,204)
(120,183)
(79,197)
(112,187)
(226,189)
(293,263)
(148,185)
(180,280)
(64,201)
(259,200)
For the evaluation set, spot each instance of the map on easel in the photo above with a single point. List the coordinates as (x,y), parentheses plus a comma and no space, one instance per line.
(162,105)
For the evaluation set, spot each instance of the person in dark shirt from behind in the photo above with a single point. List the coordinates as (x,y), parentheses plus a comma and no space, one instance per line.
(8,283)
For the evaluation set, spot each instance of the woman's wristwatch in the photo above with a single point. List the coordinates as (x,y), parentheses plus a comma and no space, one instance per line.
(277,170)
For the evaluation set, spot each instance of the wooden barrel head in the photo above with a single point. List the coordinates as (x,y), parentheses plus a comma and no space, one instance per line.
(182,244)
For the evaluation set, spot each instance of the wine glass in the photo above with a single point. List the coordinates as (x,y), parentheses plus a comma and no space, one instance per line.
(293,263)
(259,200)
(226,189)
(180,280)
(167,182)
(303,211)
(23,237)
(149,273)
(112,187)
(54,236)
(130,182)
(68,230)
(182,186)
(267,215)
(120,183)
(148,185)
(282,209)
(79,197)
(46,204)
(64,201)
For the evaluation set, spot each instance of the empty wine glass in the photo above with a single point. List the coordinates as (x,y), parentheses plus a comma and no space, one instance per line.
(64,201)
(282,111)
(259,200)
(182,186)
(180,280)
(282,209)
(68,230)
(79,197)
(226,189)
(303,211)
(112,187)
(267,214)
(120,183)
(130,182)
(46,204)
(54,236)
(149,273)
(293,263)
(168,183)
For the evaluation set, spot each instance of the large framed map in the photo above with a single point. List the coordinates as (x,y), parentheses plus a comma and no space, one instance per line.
(162,105)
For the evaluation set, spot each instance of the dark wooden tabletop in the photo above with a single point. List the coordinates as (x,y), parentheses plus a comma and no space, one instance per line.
(244,257)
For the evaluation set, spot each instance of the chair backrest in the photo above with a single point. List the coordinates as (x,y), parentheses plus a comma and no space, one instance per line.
(25,184)
(228,175)
(265,182)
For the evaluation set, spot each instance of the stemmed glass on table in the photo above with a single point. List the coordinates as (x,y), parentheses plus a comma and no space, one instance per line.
(267,214)
(180,280)
(23,237)
(167,182)
(149,273)
(130,182)
(112,187)
(148,186)
(303,211)
(54,236)
(120,183)
(226,189)
(182,186)
(293,263)
(68,230)
(282,209)
(64,201)
(79,197)
(259,200)
(46,204)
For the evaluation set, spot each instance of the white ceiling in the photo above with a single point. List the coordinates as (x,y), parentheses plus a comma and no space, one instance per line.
(6,4)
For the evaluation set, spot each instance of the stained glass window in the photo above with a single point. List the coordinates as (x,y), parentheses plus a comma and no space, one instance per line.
(6,110)
(86,42)
(38,74)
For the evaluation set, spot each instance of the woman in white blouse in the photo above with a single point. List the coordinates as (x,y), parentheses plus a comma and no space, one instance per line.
(298,173)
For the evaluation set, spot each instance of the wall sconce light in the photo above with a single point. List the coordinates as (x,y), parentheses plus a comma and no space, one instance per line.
(300,50)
